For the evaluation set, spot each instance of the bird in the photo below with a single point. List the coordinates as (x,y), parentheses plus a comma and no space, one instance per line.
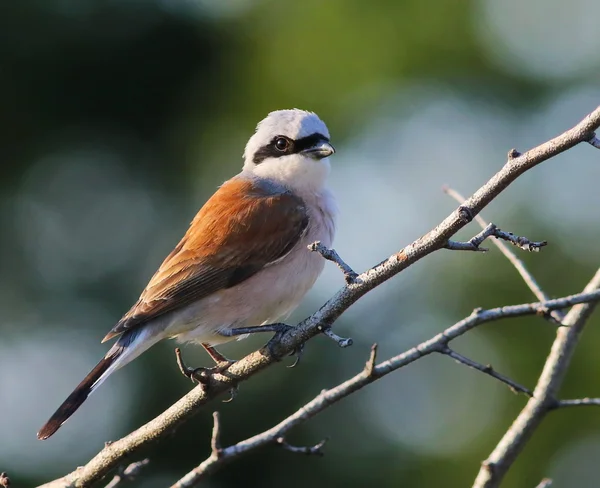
(244,261)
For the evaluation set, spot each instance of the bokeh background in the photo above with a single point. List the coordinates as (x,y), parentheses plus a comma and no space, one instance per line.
(120,117)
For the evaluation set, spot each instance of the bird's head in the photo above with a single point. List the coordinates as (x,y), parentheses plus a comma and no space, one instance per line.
(291,147)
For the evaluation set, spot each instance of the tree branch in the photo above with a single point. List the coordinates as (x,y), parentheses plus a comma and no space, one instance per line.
(330,255)
(500,460)
(530,281)
(128,474)
(487,369)
(371,372)
(492,231)
(112,455)
(579,402)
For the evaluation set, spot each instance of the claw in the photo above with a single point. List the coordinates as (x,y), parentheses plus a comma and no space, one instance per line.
(298,352)
(201,375)
(232,394)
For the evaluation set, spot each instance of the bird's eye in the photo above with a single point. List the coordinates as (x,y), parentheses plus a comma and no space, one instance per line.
(282,144)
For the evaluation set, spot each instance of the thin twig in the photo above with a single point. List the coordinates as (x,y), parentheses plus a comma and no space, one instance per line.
(372,372)
(316,450)
(474,244)
(370,365)
(486,369)
(331,255)
(578,402)
(215,440)
(112,456)
(544,395)
(530,281)
(128,474)
(340,341)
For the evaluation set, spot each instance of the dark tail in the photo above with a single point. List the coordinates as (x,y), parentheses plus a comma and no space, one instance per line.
(71,404)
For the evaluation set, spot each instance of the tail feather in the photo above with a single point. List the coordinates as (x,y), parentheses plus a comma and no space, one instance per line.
(75,399)
(129,346)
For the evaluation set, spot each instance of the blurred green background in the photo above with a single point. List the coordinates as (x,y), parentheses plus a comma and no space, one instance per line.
(120,117)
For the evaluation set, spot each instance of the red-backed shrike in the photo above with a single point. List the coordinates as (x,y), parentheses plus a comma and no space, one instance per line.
(244,259)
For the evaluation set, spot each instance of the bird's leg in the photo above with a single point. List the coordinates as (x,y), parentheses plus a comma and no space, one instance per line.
(279,329)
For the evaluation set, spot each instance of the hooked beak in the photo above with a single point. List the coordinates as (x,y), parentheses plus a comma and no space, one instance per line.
(320,150)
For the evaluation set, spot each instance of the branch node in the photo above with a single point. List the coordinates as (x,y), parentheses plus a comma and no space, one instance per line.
(343,342)
(316,450)
(547,314)
(370,365)
(489,466)
(513,154)
(331,255)
(465,214)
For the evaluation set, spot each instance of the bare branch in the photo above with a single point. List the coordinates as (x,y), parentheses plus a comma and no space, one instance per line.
(340,341)
(112,456)
(578,402)
(215,440)
(315,450)
(128,474)
(530,281)
(372,372)
(331,255)
(370,364)
(487,369)
(544,395)
(492,231)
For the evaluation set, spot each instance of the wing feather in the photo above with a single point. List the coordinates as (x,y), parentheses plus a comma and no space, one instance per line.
(243,227)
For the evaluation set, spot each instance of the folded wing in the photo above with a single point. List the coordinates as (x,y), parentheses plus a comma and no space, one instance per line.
(245,226)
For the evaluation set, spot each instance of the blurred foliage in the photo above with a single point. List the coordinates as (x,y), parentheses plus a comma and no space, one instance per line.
(120,117)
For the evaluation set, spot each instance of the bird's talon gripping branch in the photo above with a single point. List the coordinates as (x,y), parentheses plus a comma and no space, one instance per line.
(232,394)
(200,375)
(298,352)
